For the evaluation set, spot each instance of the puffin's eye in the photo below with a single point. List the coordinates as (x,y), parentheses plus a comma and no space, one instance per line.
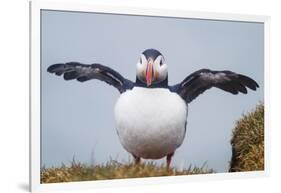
(161,62)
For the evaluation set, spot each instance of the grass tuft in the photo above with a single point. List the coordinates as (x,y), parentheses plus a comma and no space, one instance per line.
(248,142)
(113,170)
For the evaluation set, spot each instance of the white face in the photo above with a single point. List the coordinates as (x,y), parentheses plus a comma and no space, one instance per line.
(151,72)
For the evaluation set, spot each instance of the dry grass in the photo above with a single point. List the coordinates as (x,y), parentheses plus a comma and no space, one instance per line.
(248,142)
(113,170)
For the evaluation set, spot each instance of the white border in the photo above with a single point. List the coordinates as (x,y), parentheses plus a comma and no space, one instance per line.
(36,6)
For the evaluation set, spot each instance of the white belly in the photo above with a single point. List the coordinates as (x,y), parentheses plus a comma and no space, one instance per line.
(150,122)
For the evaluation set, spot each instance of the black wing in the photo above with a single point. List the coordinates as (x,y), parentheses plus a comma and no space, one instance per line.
(84,72)
(204,79)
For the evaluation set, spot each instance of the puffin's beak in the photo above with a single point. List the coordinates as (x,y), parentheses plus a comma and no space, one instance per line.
(149,72)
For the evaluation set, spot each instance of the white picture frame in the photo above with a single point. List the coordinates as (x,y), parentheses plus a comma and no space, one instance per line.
(37,6)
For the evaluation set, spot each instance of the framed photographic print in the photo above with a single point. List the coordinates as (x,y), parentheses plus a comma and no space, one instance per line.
(123,96)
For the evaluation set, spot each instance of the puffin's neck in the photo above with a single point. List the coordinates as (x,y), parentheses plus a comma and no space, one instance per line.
(162,84)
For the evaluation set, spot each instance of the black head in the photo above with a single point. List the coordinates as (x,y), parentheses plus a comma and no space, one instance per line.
(152,70)
(151,53)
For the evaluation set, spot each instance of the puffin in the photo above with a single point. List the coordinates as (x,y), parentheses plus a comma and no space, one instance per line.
(151,115)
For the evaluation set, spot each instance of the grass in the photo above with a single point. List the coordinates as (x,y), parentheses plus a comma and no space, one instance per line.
(113,170)
(248,142)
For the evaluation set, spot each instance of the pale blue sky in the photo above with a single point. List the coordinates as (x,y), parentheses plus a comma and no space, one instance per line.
(77,118)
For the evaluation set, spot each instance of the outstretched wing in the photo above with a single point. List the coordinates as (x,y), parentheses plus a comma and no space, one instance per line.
(204,79)
(84,72)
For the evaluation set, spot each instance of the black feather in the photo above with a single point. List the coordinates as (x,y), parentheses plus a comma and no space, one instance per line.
(84,72)
(204,79)
(70,75)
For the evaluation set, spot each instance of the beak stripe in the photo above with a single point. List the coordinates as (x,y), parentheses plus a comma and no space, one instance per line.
(149,71)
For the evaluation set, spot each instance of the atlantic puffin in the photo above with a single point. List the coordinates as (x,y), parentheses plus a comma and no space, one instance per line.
(150,115)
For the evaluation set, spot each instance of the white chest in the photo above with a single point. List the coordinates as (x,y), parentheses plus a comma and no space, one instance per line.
(150,122)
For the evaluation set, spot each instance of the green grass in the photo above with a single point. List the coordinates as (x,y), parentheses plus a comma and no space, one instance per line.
(248,142)
(113,170)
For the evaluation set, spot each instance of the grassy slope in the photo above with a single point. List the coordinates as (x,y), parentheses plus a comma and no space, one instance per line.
(248,142)
(112,170)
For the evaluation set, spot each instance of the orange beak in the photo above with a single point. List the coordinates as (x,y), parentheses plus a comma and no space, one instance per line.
(149,70)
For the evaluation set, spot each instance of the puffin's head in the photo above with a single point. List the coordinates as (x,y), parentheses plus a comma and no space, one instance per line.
(151,67)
